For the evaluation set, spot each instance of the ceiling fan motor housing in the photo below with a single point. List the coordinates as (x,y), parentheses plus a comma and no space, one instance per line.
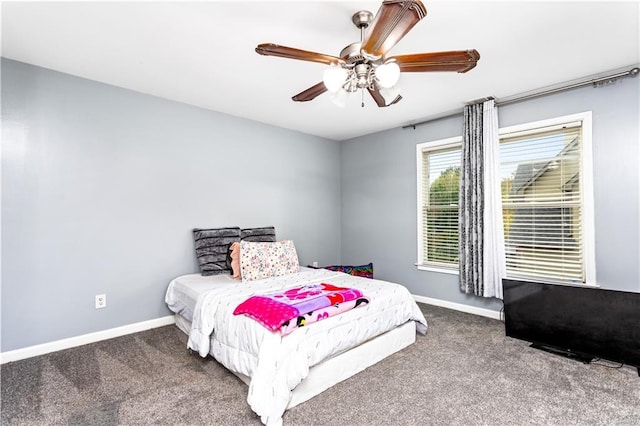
(352,55)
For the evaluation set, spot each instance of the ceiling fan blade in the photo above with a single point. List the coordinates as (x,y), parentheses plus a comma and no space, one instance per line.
(380,98)
(460,61)
(394,19)
(270,49)
(311,93)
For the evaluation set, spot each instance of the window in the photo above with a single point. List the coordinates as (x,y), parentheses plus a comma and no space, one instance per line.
(547,203)
(439,169)
(546,200)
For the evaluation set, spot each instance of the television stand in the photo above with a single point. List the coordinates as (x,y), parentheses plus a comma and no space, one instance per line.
(586,359)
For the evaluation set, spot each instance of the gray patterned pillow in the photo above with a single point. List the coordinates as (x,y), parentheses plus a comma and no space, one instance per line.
(264,234)
(212,246)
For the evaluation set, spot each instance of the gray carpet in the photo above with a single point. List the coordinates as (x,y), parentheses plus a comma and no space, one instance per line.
(463,372)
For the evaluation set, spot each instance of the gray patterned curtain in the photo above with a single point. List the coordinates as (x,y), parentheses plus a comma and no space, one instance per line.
(471,202)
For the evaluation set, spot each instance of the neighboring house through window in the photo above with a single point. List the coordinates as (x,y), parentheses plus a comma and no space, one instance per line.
(547,201)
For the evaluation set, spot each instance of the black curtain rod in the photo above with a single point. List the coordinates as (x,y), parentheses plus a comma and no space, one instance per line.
(596,82)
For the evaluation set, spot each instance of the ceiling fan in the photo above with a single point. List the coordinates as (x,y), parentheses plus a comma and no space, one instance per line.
(364,64)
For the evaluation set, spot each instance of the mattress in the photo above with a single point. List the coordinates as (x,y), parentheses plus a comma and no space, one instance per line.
(185,290)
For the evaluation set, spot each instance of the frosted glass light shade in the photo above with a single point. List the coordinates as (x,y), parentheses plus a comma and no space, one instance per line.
(339,98)
(333,78)
(388,74)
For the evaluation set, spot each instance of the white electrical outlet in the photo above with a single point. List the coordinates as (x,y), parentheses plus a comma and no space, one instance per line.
(101,301)
(315,263)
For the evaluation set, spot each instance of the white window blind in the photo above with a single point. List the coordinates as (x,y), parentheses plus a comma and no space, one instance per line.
(542,203)
(440,182)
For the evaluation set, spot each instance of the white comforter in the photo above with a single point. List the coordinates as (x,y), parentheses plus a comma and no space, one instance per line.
(277,364)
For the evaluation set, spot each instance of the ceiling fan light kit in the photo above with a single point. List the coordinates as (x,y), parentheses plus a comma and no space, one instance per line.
(387,74)
(364,66)
(339,98)
(334,77)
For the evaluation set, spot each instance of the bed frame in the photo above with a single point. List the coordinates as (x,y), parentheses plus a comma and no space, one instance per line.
(342,366)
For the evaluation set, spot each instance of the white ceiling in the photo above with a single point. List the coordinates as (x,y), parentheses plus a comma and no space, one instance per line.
(202,53)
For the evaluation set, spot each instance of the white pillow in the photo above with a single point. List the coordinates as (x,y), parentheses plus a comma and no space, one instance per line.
(260,260)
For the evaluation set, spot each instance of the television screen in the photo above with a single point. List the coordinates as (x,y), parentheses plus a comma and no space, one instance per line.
(586,321)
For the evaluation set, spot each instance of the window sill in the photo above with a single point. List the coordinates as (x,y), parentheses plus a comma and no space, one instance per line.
(554,282)
(437,269)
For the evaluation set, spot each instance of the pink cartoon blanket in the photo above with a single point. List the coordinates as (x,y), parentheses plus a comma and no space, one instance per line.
(287,310)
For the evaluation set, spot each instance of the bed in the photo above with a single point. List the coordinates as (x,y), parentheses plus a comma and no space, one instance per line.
(283,371)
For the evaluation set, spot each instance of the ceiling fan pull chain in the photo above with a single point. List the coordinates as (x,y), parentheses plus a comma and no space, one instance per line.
(362,92)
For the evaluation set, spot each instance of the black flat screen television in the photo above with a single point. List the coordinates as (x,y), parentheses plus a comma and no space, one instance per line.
(581,322)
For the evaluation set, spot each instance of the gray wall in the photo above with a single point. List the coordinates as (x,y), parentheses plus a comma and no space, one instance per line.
(379,191)
(101,187)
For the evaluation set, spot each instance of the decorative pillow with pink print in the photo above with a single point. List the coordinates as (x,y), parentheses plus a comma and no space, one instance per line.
(260,260)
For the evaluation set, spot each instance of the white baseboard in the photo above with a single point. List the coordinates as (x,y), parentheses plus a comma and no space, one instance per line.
(459,307)
(72,342)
